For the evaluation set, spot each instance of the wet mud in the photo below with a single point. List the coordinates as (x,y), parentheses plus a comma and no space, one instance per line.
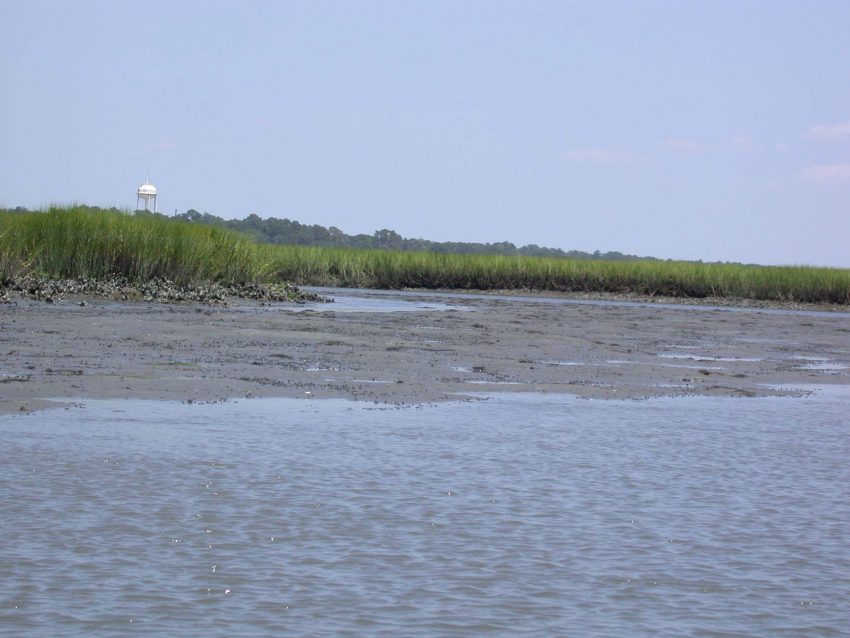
(441,349)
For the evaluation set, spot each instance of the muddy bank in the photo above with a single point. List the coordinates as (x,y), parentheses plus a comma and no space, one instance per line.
(194,352)
(158,290)
(631,297)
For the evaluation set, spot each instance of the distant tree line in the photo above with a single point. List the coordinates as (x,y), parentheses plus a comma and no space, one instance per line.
(289,232)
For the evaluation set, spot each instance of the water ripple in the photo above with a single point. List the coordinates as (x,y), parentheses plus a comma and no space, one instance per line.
(524,515)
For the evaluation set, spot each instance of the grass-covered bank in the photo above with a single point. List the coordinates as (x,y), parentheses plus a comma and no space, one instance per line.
(389,269)
(79,241)
(91,244)
(108,253)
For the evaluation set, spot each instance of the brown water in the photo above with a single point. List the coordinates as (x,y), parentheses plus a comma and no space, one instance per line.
(521,515)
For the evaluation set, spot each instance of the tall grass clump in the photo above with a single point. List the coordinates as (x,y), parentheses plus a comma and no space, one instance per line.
(79,241)
(397,269)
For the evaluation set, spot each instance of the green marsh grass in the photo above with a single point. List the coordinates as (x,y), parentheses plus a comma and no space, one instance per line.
(79,241)
(396,269)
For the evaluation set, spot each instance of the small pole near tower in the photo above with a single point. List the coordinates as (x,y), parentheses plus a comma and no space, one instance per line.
(146,192)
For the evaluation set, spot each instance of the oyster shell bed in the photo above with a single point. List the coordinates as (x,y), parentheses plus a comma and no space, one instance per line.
(153,290)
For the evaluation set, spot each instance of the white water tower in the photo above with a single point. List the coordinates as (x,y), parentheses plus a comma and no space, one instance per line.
(147,192)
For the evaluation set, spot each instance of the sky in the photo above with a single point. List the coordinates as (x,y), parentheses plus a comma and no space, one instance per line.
(679,129)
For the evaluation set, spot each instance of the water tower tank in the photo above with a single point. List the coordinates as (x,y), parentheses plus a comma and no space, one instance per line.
(147,192)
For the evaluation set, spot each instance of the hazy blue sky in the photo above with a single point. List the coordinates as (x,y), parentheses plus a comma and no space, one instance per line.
(698,130)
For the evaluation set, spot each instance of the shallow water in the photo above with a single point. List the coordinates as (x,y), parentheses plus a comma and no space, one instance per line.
(360,295)
(520,515)
(359,303)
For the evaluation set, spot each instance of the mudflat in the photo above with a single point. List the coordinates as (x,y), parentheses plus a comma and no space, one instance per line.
(422,347)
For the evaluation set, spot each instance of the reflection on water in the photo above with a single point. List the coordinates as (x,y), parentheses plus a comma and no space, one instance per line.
(696,357)
(819,363)
(367,293)
(365,303)
(521,515)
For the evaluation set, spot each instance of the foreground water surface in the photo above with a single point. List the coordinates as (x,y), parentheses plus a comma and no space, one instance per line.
(519,515)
